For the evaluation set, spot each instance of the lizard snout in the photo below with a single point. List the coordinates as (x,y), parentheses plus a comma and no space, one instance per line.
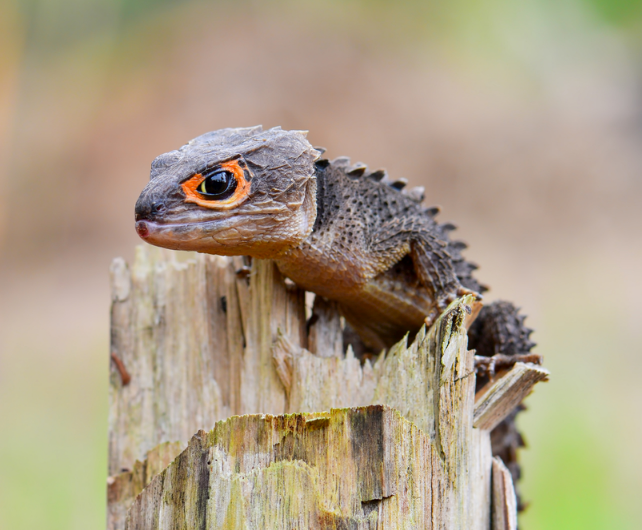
(147,210)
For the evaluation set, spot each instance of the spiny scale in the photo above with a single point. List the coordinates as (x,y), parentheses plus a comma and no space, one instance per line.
(399,184)
(360,170)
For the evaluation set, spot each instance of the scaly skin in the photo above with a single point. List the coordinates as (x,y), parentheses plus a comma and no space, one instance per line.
(378,253)
(337,230)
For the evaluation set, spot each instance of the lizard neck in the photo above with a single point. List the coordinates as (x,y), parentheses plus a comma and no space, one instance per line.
(299,228)
(318,269)
(320,263)
(311,214)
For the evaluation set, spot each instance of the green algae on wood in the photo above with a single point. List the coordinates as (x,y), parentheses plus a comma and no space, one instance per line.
(203,340)
(361,468)
(124,487)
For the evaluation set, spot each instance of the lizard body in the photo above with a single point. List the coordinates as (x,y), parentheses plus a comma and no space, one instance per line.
(336,229)
(378,253)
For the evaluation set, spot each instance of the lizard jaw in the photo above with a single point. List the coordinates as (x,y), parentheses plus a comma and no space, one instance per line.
(172,236)
(258,236)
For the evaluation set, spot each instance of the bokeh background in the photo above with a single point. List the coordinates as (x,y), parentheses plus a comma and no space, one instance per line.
(523,120)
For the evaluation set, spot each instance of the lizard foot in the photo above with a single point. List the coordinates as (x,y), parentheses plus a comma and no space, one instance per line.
(439,306)
(443,302)
(432,317)
(463,291)
(488,366)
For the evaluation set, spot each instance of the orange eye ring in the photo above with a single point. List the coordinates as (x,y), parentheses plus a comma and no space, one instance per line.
(190,188)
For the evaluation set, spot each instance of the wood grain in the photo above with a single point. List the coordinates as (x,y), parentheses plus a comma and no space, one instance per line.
(499,397)
(504,499)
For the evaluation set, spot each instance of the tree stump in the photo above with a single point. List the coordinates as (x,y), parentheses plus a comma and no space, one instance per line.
(222,417)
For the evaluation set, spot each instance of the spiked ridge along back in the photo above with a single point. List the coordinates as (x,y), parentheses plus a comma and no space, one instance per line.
(463,268)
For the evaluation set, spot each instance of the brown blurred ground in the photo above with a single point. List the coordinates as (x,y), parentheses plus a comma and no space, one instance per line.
(523,123)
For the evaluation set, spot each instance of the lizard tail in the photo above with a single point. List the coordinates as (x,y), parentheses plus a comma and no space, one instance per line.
(500,328)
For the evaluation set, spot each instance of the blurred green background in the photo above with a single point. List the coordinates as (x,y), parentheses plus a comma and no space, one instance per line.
(522,119)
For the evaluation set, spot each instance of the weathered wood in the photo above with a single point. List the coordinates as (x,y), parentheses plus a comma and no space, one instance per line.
(273,307)
(163,335)
(197,341)
(499,397)
(368,468)
(321,383)
(325,337)
(504,499)
(349,468)
(202,341)
(124,487)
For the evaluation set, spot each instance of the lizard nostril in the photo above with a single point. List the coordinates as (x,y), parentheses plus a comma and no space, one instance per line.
(158,207)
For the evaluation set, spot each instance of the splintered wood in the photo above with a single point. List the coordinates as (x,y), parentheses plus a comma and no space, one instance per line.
(291,432)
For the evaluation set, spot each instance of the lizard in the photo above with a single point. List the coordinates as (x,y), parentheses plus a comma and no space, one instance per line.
(347,234)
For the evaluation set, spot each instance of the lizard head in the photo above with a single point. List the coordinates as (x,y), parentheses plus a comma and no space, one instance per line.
(232,192)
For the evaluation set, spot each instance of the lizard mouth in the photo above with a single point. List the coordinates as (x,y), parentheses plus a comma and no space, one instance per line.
(173,236)
(199,236)
(142,229)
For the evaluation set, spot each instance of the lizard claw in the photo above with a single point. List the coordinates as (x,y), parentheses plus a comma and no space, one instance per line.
(463,291)
(488,366)
(443,302)
(432,317)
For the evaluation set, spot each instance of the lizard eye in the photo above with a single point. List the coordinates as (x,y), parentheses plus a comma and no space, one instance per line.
(222,187)
(218,186)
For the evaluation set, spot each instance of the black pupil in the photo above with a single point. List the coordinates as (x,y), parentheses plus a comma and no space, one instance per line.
(220,184)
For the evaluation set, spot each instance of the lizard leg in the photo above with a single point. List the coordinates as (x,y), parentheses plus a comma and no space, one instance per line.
(436,262)
(434,267)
